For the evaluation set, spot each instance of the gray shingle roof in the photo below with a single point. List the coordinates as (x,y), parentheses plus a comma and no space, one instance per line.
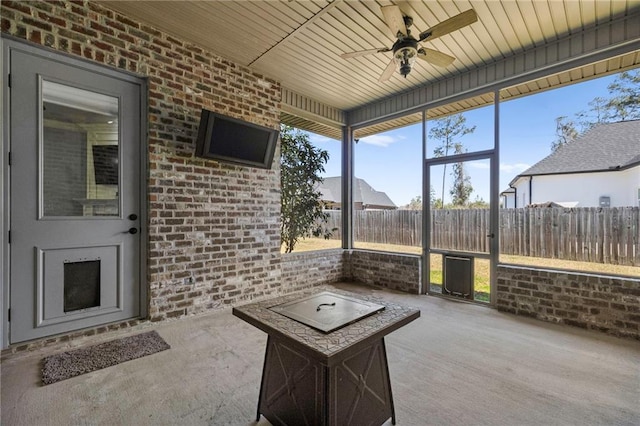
(331,189)
(508,191)
(605,147)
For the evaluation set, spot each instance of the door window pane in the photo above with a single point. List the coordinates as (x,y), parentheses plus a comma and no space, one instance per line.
(80,152)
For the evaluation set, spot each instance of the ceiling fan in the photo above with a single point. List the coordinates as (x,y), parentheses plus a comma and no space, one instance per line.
(407,48)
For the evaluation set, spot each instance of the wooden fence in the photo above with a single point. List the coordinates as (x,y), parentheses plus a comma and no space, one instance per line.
(600,235)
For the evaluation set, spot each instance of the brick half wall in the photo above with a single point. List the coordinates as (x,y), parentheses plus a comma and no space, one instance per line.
(390,270)
(312,268)
(608,304)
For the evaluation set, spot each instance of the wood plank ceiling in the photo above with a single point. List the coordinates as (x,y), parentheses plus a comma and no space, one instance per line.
(299,42)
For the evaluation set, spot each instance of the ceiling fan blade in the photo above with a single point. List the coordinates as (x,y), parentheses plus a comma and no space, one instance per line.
(388,71)
(395,21)
(363,52)
(452,24)
(434,57)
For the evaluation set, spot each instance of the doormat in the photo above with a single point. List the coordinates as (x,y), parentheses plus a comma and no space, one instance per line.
(80,361)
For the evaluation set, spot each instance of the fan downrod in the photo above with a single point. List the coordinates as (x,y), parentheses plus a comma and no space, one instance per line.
(408,21)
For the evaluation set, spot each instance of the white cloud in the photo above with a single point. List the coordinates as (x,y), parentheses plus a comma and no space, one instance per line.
(514,168)
(319,139)
(379,140)
(478,165)
(506,168)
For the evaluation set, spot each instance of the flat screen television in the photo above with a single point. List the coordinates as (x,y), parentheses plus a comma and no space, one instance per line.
(105,164)
(235,141)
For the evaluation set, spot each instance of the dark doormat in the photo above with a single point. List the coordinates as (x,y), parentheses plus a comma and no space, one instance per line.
(80,361)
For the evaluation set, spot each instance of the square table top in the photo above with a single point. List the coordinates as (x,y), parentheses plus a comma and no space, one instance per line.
(327,311)
(326,345)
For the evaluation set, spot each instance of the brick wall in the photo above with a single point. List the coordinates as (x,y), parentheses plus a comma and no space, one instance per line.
(312,268)
(394,271)
(214,236)
(607,304)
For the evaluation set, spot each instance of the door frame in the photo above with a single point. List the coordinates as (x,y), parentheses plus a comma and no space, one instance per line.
(10,44)
(493,154)
(492,256)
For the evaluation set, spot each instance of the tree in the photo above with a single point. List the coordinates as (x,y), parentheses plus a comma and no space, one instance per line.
(565,132)
(622,104)
(301,207)
(448,131)
(435,203)
(415,203)
(462,188)
(479,203)
(598,113)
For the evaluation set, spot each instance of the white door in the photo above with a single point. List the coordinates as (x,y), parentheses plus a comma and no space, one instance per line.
(74,197)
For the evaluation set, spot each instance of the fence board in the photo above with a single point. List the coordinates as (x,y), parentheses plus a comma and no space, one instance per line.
(589,234)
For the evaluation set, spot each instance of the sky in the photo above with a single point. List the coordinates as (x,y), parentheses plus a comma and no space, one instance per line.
(391,161)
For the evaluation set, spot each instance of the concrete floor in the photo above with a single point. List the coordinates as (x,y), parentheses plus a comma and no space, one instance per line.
(458,364)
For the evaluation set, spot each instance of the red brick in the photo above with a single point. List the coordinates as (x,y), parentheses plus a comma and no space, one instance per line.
(16,5)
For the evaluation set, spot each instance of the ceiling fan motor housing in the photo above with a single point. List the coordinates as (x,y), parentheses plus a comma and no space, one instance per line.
(405,52)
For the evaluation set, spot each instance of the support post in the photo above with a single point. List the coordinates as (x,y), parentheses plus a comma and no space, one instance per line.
(347,188)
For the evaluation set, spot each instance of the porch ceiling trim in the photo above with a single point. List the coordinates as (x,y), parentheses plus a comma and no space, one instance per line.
(302,106)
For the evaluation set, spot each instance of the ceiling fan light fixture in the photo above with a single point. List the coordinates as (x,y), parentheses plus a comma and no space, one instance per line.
(405,57)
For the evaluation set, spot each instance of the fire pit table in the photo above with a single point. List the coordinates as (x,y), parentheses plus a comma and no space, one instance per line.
(325,361)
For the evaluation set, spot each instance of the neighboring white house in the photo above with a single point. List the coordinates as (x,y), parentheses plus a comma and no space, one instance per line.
(364,196)
(601,168)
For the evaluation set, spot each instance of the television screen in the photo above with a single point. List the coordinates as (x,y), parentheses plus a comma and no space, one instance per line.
(105,164)
(235,141)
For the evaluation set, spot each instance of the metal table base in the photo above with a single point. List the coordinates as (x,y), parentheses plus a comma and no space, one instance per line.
(297,389)
(339,377)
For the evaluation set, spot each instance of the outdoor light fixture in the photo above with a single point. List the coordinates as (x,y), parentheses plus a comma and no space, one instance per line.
(405,52)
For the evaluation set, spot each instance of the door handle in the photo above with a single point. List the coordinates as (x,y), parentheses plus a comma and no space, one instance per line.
(133,216)
(490,235)
(131,231)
